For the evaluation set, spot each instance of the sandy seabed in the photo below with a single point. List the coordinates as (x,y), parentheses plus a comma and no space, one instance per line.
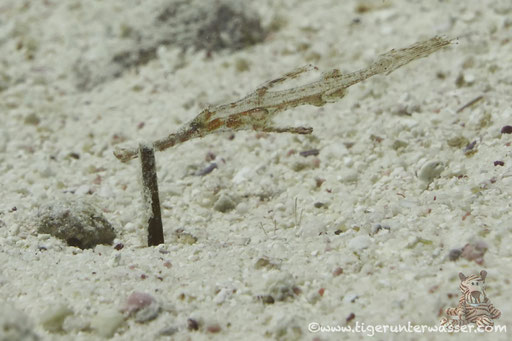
(409,187)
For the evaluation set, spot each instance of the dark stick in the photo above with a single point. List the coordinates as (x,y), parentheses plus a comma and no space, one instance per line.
(470,103)
(150,194)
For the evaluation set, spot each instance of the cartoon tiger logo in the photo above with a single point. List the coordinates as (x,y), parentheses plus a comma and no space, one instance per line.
(474,306)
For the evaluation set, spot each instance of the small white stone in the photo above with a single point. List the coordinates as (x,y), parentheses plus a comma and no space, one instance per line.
(430,170)
(223,294)
(469,78)
(242,175)
(46,172)
(360,242)
(350,177)
(242,208)
(82,190)
(106,322)
(348,161)
(115,260)
(129,227)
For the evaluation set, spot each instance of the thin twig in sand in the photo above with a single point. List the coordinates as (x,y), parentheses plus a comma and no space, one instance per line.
(470,103)
(255,111)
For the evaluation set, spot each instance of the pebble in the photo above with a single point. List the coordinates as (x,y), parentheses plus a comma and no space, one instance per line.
(130,227)
(348,161)
(185,237)
(77,223)
(279,286)
(378,227)
(224,204)
(207,170)
(242,175)
(475,251)
(309,152)
(221,296)
(430,171)
(143,306)
(458,141)
(350,176)
(360,242)
(147,313)
(192,324)
(136,301)
(338,271)
(114,260)
(454,254)
(168,331)
(242,208)
(214,328)
(106,322)
(506,130)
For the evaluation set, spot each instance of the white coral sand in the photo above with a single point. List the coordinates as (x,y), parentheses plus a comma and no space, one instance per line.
(270,266)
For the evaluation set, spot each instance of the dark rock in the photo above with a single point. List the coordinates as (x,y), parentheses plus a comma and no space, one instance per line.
(187,24)
(77,223)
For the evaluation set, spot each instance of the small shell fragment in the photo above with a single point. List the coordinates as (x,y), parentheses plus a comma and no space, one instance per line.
(430,171)
(143,306)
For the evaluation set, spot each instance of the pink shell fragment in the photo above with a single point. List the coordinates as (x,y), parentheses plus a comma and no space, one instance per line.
(137,301)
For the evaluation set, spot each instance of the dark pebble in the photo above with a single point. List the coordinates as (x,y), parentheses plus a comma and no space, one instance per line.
(310,152)
(192,324)
(319,204)
(506,130)
(267,299)
(454,254)
(350,317)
